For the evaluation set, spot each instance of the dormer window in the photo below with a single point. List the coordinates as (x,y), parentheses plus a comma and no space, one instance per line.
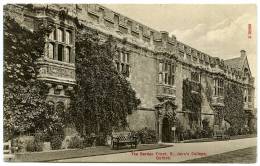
(246,72)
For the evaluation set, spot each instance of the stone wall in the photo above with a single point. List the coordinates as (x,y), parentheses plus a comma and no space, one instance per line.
(143,76)
(140,119)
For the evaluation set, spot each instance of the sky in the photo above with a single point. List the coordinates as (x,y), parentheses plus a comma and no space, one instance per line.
(218,30)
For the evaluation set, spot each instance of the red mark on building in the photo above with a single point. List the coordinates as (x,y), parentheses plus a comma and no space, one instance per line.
(249,31)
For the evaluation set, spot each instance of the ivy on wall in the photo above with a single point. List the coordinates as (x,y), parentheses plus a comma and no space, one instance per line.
(103,97)
(191,100)
(25,107)
(233,110)
(217,110)
(208,93)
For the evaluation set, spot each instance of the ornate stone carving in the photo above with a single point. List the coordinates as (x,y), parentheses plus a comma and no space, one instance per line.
(59,87)
(56,71)
(167,109)
(164,91)
(70,88)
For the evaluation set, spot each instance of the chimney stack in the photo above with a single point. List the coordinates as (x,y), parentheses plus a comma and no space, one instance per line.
(243,53)
(165,35)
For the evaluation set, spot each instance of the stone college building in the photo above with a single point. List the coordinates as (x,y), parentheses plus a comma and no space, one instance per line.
(156,65)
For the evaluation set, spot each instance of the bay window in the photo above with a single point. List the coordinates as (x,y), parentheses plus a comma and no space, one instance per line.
(51,50)
(60,52)
(166,73)
(68,37)
(67,54)
(60,35)
(218,87)
(61,45)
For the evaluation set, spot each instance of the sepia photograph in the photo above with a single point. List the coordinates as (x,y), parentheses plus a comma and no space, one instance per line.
(129,83)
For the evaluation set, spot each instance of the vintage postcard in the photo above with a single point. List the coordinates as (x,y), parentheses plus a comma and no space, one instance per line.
(129,83)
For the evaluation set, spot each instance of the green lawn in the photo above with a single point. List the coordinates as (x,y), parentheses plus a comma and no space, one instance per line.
(213,139)
(247,155)
(76,153)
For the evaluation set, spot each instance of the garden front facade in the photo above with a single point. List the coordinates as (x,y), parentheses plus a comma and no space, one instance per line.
(91,72)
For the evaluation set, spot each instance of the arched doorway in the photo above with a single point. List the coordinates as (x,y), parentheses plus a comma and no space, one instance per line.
(166,119)
(166,130)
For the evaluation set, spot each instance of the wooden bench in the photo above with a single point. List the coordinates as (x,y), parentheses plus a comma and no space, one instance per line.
(220,134)
(123,138)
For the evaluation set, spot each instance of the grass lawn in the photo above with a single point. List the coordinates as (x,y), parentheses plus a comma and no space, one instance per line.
(247,155)
(76,153)
(213,139)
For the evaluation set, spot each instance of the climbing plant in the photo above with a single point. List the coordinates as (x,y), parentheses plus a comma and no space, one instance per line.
(191,100)
(208,92)
(233,109)
(103,97)
(25,107)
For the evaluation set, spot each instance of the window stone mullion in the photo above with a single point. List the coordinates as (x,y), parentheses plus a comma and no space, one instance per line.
(55,56)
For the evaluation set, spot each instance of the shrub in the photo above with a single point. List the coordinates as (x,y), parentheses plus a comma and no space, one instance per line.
(197,133)
(245,131)
(232,131)
(252,130)
(75,142)
(30,146)
(210,133)
(38,146)
(179,130)
(101,140)
(39,137)
(56,142)
(34,146)
(187,134)
(146,136)
(204,133)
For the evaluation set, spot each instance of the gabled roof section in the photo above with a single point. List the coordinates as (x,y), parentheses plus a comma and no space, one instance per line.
(246,65)
(239,63)
(236,63)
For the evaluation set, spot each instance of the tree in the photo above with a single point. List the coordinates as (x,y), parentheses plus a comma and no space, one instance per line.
(103,97)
